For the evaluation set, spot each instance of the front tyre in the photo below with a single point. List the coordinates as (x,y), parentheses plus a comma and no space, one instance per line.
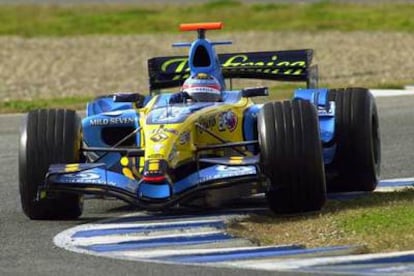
(48,137)
(356,166)
(291,156)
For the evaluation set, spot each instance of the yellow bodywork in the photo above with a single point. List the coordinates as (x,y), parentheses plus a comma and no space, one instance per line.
(177,143)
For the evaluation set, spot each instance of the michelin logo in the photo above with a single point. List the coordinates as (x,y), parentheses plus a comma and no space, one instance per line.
(223,171)
(82,177)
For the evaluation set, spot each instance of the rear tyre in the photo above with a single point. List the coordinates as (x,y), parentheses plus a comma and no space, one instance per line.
(47,137)
(291,156)
(356,166)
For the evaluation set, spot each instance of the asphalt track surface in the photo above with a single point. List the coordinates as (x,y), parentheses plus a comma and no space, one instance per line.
(27,246)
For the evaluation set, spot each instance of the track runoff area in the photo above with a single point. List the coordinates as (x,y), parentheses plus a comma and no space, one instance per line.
(201,239)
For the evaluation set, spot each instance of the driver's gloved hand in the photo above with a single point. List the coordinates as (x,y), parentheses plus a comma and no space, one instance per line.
(180,97)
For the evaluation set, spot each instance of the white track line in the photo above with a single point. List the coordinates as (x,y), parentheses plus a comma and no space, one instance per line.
(391,92)
(294,264)
(132,238)
(118,225)
(174,252)
(407,179)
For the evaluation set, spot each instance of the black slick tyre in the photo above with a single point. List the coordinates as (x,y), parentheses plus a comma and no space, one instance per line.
(291,156)
(356,165)
(47,137)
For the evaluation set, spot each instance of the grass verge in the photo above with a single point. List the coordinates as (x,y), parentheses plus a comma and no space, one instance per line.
(67,20)
(21,106)
(381,222)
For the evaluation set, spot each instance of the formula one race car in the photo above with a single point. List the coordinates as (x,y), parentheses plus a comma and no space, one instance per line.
(156,153)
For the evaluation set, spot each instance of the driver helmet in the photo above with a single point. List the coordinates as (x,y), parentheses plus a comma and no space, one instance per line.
(202,88)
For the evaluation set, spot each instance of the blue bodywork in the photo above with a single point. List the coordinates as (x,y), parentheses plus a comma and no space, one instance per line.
(213,68)
(326,114)
(94,125)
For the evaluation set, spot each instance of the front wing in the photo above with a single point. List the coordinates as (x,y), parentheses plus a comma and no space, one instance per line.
(95,179)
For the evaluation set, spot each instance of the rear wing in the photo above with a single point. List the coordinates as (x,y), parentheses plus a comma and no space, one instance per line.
(292,65)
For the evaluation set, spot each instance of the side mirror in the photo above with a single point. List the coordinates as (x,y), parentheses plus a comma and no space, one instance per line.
(255,91)
(136,98)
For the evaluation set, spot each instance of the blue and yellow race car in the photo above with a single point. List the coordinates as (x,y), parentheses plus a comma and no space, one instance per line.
(165,149)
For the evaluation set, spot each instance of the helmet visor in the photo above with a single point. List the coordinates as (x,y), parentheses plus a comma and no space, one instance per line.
(203,94)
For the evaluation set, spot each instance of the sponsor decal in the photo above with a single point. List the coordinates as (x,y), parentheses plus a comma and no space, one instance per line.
(112,121)
(207,122)
(172,114)
(173,154)
(184,138)
(179,65)
(227,121)
(158,147)
(159,137)
(168,115)
(83,176)
(230,171)
(160,134)
(330,111)
(242,60)
(238,169)
(222,171)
